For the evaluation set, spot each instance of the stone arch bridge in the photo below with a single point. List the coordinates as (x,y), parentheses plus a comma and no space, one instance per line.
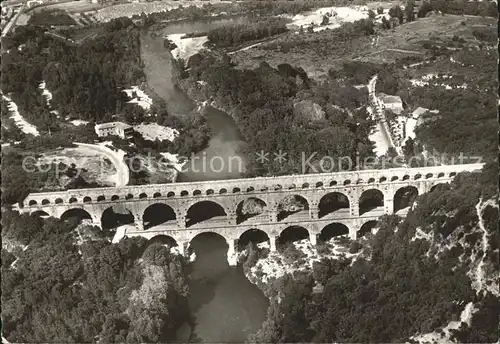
(348,201)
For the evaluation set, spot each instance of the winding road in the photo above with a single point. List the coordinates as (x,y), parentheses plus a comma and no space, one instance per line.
(381,135)
(13,21)
(122,171)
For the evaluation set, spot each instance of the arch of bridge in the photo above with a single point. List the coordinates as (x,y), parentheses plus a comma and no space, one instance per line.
(229,203)
(275,189)
(232,234)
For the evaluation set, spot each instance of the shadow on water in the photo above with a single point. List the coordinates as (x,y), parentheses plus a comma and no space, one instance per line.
(221,159)
(158,69)
(225,307)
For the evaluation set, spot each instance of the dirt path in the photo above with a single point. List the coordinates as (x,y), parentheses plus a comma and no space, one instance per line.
(479,283)
(389,49)
(122,171)
(13,21)
(378,112)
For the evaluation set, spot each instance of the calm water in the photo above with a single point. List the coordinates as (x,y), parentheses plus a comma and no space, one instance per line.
(225,306)
(221,159)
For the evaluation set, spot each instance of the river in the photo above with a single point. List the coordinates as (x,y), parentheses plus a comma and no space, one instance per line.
(221,158)
(224,305)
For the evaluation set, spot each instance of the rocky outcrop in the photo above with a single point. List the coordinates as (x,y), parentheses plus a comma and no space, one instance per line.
(308,110)
(299,74)
(194,60)
(292,204)
(253,206)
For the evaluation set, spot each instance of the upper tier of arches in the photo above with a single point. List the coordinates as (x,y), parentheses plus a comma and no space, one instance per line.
(300,183)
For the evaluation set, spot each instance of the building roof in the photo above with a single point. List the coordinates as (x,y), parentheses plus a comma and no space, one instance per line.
(110,125)
(388,99)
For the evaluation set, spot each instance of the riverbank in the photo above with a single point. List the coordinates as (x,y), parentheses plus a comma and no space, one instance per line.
(221,158)
(217,289)
(267,267)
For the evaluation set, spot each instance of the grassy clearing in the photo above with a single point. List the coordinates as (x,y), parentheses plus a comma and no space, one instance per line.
(320,51)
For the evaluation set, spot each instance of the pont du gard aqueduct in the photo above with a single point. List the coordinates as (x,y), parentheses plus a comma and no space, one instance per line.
(341,203)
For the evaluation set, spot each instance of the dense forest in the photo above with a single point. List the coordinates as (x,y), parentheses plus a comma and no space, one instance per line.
(59,288)
(275,112)
(64,282)
(396,289)
(84,80)
(20,177)
(231,35)
(277,109)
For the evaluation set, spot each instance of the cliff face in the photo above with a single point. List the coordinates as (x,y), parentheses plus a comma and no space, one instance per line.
(436,271)
(308,110)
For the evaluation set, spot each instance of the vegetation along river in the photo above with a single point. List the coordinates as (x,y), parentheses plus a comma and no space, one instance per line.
(224,305)
(220,160)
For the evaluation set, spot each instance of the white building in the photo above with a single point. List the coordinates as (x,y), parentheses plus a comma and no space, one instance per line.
(31,3)
(113,128)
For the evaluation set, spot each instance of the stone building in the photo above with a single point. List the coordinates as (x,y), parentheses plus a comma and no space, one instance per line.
(120,129)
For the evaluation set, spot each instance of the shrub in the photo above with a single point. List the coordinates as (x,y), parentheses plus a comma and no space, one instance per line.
(290,252)
(252,257)
(485,34)
(355,247)
(424,9)
(322,249)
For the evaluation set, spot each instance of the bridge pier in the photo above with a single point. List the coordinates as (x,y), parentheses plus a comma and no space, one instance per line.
(181,247)
(388,206)
(232,254)
(314,213)
(139,224)
(181,221)
(313,239)
(97,223)
(273,216)
(423,188)
(355,208)
(119,235)
(272,243)
(232,218)
(353,230)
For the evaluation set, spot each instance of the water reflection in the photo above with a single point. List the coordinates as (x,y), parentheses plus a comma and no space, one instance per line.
(225,306)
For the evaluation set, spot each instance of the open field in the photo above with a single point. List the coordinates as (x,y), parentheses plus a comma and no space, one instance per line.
(70,6)
(318,52)
(136,8)
(409,36)
(102,165)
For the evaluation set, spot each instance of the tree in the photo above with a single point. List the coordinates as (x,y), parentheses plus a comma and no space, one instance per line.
(409,148)
(385,23)
(325,20)
(410,11)
(397,12)
(425,8)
